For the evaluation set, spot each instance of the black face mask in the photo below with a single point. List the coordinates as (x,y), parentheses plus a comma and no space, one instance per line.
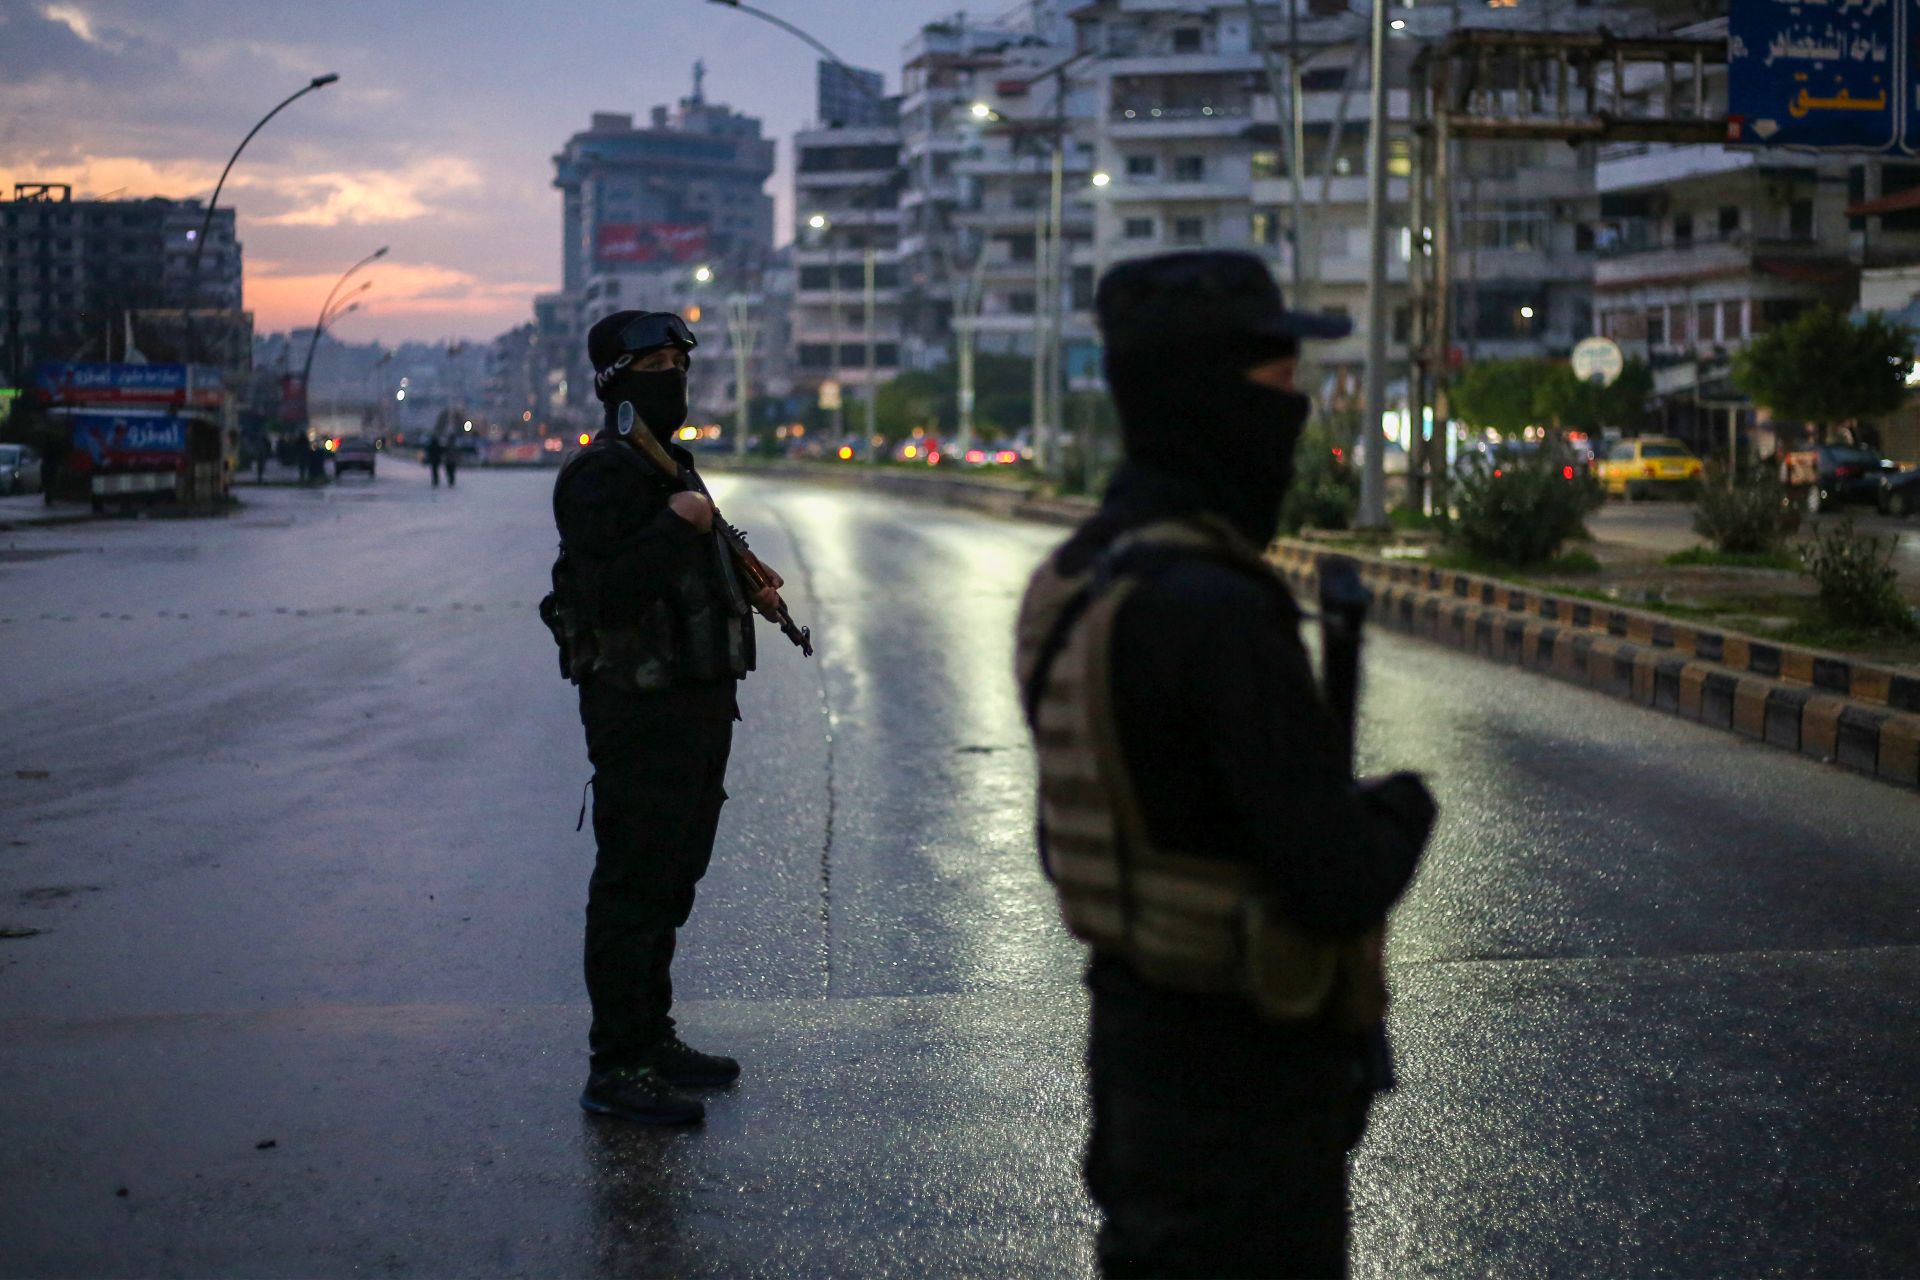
(660,398)
(1207,422)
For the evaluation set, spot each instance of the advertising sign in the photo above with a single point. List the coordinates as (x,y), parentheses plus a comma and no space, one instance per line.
(129,442)
(1829,75)
(169,384)
(650,241)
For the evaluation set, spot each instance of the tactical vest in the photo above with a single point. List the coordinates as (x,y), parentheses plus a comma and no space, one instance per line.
(699,628)
(1183,919)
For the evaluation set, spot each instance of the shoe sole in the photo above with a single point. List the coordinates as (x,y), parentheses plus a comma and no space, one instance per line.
(699,1082)
(591,1107)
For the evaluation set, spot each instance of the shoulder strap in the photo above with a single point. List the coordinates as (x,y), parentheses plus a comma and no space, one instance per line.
(1138,554)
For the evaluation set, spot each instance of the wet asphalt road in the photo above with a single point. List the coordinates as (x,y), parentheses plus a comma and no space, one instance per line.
(303,871)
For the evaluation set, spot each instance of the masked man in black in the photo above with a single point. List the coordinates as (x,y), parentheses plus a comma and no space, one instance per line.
(658,632)
(1199,818)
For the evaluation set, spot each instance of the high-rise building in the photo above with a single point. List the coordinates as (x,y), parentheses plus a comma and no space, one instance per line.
(76,274)
(847,182)
(645,209)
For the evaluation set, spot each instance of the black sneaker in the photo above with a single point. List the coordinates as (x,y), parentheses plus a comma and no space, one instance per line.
(688,1068)
(640,1094)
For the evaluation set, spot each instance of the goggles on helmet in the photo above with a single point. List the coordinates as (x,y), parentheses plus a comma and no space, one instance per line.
(646,333)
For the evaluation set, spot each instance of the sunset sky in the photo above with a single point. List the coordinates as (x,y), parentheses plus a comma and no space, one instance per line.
(437,140)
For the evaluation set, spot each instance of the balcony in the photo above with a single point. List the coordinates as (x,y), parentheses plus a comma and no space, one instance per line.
(1133,123)
(1805,259)
(1211,191)
(1160,59)
(841,179)
(1636,165)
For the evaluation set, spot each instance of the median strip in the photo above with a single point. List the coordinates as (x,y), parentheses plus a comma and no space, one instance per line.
(1831,708)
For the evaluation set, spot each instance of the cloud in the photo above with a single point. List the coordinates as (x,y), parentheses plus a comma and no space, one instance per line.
(366,199)
(127,177)
(400,289)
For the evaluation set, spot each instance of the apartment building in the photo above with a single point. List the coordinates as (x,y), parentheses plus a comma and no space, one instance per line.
(75,273)
(848,183)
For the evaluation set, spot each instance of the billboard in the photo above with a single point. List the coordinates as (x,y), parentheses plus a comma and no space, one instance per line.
(1818,75)
(128,442)
(650,241)
(149,384)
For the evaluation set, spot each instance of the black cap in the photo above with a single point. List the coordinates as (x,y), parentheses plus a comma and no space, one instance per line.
(1201,298)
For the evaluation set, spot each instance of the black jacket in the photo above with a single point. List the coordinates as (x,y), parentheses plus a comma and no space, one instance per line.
(1234,752)
(626,549)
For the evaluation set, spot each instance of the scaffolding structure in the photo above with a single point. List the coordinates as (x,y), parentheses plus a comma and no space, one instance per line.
(1517,85)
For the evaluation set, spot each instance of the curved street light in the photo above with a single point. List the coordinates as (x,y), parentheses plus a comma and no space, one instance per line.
(319,326)
(206,223)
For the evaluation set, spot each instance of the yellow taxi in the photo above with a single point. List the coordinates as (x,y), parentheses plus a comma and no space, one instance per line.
(1647,465)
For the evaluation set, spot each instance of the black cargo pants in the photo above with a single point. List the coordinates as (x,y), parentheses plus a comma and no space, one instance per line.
(658,775)
(1194,1180)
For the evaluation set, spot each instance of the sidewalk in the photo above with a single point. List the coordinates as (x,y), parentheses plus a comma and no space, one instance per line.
(1652,531)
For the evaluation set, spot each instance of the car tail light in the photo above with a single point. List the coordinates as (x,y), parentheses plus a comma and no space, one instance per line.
(1844,472)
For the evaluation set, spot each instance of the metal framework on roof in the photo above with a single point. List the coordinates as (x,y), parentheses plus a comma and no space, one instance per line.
(1572,87)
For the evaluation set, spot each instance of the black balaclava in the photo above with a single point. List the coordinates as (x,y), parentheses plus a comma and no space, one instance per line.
(658,396)
(1194,414)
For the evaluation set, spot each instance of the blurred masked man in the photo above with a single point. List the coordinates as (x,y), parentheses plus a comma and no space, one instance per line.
(657,630)
(1198,816)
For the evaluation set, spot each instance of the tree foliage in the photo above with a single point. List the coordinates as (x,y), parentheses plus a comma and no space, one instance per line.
(1510,395)
(1497,395)
(1561,397)
(1822,368)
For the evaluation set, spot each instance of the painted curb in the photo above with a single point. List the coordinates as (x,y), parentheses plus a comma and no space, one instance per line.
(1830,708)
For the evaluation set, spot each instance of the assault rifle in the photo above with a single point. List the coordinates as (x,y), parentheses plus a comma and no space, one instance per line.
(1343,616)
(749,566)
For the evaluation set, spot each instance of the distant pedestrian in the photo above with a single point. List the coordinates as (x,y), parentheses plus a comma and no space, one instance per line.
(453,462)
(1200,821)
(435,452)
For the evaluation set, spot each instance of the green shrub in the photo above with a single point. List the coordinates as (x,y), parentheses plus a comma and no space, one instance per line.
(1753,517)
(1858,587)
(1523,515)
(1326,489)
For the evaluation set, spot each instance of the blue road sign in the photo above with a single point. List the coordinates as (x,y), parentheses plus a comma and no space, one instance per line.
(1827,75)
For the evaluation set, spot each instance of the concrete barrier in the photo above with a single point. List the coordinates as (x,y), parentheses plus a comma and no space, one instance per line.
(1859,715)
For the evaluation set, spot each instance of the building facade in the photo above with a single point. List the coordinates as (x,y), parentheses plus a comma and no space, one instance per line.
(76,276)
(666,217)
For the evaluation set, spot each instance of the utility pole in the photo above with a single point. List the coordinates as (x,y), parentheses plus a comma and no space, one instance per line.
(741,333)
(1373,504)
(1049,460)
(870,399)
(1041,243)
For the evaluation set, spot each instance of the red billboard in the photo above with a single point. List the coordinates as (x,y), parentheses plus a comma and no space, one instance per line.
(650,241)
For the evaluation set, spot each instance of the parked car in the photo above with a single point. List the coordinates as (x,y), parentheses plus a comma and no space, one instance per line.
(1840,473)
(1648,465)
(354,453)
(1898,493)
(1393,461)
(19,469)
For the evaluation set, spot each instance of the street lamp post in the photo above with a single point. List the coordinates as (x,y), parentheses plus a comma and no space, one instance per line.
(1373,506)
(206,223)
(306,370)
